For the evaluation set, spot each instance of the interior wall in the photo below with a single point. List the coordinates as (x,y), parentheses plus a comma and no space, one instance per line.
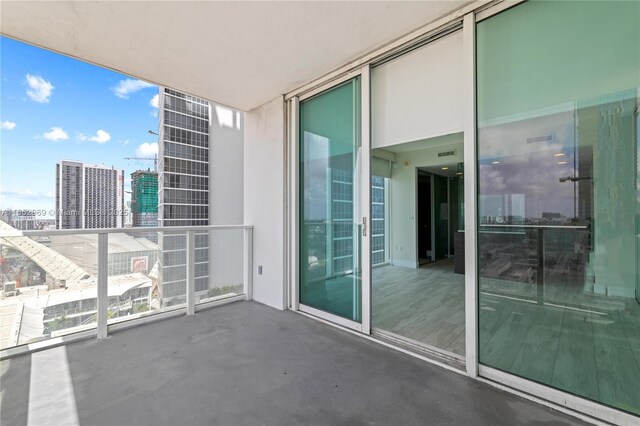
(403,238)
(418,95)
(264,199)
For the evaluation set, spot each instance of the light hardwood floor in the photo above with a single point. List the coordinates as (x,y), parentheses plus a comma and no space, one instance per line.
(591,353)
(577,341)
(423,304)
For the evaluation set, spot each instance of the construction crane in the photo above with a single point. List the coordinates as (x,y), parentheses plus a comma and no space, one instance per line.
(154,159)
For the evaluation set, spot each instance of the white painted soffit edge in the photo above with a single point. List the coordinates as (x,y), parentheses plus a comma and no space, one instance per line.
(241,54)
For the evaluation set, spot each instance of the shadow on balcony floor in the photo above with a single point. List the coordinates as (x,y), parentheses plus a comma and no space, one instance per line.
(245,363)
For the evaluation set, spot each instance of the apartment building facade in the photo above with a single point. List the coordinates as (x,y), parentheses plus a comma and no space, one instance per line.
(144,199)
(89,196)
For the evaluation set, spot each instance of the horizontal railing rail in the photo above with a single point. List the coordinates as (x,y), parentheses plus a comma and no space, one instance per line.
(487,225)
(39,233)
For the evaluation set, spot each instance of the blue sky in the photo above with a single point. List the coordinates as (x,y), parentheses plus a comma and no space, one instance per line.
(56,108)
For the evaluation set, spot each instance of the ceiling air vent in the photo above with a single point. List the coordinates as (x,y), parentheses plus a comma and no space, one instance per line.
(548,138)
(446,153)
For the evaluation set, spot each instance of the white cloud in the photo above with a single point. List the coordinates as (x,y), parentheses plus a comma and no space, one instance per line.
(56,134)
(154,101)
(100,137)
(147,150)
(8,125)
(125,142)
(39,88)
(126,87)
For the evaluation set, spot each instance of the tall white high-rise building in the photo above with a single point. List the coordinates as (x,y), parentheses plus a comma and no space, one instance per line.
(88,196)
(200,176)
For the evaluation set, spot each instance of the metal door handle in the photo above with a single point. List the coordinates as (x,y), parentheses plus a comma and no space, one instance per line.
(364,226)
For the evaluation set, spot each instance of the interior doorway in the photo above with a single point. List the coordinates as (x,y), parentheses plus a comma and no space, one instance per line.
(417,292)
(424,215)
(438,206)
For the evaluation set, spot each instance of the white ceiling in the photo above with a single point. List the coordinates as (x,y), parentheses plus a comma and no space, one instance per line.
(241,54)
(444,140)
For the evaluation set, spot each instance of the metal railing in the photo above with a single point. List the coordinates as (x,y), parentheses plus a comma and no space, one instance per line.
(228,242)
(539,240)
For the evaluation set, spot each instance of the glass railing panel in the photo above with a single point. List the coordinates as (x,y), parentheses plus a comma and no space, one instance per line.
(219,264)
(49,281)
(147,273)
(48,287)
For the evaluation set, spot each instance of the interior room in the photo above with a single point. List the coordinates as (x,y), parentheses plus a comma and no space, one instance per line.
(418,286)
(417,148)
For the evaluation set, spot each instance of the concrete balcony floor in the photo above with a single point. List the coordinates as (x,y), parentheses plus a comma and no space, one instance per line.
(246,364)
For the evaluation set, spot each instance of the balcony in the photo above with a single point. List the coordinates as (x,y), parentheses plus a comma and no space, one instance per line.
(81,319)
(244,363)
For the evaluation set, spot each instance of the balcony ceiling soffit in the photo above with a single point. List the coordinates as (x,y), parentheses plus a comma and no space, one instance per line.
(242,54)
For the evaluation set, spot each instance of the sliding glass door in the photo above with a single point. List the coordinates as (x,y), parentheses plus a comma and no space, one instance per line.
(330,279)
(558,197)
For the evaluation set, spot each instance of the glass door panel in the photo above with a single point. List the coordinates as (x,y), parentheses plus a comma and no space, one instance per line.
(558,197)
(330,265)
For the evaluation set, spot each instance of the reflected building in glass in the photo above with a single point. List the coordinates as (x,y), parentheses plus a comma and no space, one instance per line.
(558,252)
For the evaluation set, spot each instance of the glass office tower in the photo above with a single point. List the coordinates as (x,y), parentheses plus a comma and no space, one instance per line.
(183,198)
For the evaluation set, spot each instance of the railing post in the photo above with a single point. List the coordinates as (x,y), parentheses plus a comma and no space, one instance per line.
(103,298)
(191,258)
(540,274)
(248,263)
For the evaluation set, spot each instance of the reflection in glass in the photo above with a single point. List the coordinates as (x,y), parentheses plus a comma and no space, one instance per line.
(558,242)
(329,234)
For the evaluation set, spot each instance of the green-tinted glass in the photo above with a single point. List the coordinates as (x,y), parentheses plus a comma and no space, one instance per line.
(559,196)
(329,235)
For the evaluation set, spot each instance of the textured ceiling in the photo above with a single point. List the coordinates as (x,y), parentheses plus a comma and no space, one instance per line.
(241,54)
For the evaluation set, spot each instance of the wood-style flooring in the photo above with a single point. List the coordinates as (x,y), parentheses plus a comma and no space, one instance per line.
(566,337)
(593,353)
(583,343)
(422,304)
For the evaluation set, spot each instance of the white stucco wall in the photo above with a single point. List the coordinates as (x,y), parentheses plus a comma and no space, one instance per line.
(264,199)
(226,201)
(226,166)
(418,95)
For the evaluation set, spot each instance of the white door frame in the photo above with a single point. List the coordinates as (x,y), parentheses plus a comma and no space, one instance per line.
(470,15)
(362,193)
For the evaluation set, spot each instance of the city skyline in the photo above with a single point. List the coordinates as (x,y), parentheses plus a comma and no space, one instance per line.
(53,108)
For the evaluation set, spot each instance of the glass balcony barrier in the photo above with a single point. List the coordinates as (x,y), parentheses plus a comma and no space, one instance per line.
(61,283)
(542,264)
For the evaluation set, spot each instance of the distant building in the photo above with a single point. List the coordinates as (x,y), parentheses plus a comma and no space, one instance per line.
(23,220)
(144,199)
(127,253)
(184,188)
(88,196)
